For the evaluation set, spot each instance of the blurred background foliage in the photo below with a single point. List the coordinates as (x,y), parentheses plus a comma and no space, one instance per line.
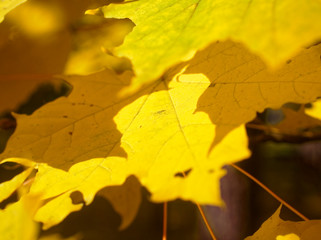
(40,40)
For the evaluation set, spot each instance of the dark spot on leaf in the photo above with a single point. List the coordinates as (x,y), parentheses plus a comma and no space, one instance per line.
(73,104)
(183,174)
(179,175)
(65,116)
(160,112)
(91,105)
(289,61)
(70,133)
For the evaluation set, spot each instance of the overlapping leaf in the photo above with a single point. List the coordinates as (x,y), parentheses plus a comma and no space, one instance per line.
(161,134)
(92,43)
(58,188)
(297,124)
(125,199)
(8,187)
(276,228)
(315,111)
(170,31)
(161,130)
(71,42)
(73,129)
(166,137)
(241,85)
(88,178)
(16,220)
(176,134)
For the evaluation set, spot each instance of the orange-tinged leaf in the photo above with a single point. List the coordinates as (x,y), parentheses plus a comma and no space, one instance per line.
(276,228)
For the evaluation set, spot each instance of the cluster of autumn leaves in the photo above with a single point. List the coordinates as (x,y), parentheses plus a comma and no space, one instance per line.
(179,104)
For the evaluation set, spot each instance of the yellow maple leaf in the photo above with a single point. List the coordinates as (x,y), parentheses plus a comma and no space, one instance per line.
(160,133)
(170,31)
(242,85)
(74,128)
(167,137)
(276,228)
(158,128)
(16,220)
(8,187)
(88,178)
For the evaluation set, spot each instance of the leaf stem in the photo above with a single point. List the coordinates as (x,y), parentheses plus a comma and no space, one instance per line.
(203,217)
(164,221)
(270,192)
(205,221)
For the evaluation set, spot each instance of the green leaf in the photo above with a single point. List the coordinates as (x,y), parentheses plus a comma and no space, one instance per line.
(169,31)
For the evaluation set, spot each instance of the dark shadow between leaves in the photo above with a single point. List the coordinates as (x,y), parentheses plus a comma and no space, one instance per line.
(79,127)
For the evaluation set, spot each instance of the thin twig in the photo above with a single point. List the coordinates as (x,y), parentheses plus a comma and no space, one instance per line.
(165,221)
(204,217)
(270,192)
(206,222)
